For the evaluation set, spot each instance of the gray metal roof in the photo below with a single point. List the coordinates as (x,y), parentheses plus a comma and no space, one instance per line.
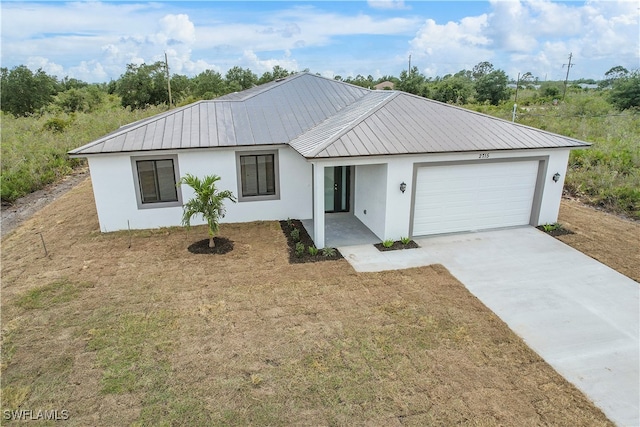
(409,124)
(320,118)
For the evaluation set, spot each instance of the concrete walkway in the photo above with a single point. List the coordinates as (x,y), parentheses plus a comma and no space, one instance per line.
(581,316)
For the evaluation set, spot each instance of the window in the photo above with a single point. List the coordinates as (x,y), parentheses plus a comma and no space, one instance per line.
(156,182)
(258,175)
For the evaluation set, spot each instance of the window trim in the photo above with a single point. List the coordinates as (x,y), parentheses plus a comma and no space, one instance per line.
(136,181)
(276,173)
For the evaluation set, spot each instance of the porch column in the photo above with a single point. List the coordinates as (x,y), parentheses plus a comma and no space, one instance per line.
(318,205)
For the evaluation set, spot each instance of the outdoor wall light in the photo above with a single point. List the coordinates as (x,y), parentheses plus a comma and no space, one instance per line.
(403,187)
(556,177)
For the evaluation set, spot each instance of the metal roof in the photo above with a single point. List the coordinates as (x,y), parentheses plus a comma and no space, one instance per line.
(320,118)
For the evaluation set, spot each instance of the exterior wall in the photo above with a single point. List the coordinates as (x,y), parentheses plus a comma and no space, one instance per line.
(370,198)
(378,182)
(114,189)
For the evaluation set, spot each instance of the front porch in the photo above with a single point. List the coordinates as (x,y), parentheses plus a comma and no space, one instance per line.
(342,229)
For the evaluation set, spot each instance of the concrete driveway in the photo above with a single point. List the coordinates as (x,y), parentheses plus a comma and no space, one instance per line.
(581,316)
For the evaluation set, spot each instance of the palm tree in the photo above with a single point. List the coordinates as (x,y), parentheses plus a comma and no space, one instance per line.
(208,202)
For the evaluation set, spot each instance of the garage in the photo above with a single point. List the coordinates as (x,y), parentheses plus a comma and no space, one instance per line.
(469,197)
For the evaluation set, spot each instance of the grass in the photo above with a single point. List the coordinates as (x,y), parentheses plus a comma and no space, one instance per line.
(34,154)
(608,173)
(165,337)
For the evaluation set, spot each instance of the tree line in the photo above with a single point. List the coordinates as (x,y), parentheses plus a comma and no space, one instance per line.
(24,92)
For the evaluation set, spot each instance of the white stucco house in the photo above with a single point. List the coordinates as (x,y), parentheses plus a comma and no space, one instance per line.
(306,146)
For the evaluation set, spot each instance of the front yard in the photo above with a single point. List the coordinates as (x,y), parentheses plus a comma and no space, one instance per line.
(120,329)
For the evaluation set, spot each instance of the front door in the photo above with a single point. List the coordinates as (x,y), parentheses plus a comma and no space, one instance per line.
(337,182)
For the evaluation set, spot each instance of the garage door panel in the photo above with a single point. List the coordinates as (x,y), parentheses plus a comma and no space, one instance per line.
(473,197)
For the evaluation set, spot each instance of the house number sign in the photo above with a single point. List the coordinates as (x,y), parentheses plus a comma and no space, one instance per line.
(483,155)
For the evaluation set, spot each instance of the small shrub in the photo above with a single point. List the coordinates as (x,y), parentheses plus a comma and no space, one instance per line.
(295,234)
(290,222)
(551,227)
(329,252)
(299,249)
(387,243)
(56,125)
(405,240)
(313,251)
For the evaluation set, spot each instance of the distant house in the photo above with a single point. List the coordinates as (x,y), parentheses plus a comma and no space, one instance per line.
(386,85)
(307,146)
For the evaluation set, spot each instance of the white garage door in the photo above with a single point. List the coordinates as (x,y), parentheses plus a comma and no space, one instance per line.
(473,197)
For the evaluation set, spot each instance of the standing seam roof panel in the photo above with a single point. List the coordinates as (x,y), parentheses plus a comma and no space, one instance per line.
(212,124)
(242,125)
(412,131)
(185,135)
(378,136)
(138,143)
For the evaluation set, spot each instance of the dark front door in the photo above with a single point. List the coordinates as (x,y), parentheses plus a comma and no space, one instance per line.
(337,182)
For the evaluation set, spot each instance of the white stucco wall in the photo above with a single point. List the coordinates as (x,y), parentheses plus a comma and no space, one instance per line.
(370,198)
(376,187)
(378,179)
(114,188)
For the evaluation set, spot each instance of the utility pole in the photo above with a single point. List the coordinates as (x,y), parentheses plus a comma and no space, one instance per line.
(166,63)
(409,73)
(515,101)
(566,79)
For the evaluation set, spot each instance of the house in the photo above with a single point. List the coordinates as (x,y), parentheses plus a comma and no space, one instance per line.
(385,85)
(304,146)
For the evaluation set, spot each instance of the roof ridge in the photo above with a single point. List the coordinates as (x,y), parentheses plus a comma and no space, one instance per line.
(348,125)
(271,85)
(279,82)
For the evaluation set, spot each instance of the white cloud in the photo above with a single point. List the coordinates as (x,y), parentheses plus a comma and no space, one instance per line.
(260,66)
(535,36)
(51,68)
(445,48)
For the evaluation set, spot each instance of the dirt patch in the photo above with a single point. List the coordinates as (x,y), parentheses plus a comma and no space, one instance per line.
(13,214)
(611,239)
(139,322)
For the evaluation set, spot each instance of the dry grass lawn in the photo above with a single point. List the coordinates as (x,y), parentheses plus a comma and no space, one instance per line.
(155,335)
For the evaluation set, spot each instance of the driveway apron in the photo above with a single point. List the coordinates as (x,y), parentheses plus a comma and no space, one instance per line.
(581,316)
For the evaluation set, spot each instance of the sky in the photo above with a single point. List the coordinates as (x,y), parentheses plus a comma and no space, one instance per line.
(94,40)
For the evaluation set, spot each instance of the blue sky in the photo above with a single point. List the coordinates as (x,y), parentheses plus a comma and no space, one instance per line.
(94,40)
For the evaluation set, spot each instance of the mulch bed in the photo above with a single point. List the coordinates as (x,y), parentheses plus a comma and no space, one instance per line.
(556,232)
(397,245)
(288,227)
(222,246)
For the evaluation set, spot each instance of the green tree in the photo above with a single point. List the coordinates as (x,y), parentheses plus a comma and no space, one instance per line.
(625,93)
(452,89)
(180,88)
(143,85)
(208,202)
(276,73)
(482,69)
(208,84)
(85,99)
(492,87)
(412,82)
(239,79)
(23,92)
(615,73)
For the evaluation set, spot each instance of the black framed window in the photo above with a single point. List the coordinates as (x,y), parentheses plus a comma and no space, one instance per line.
(157,181)
(258,175)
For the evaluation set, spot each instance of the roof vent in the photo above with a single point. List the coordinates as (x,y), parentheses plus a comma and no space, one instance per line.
(281,79)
